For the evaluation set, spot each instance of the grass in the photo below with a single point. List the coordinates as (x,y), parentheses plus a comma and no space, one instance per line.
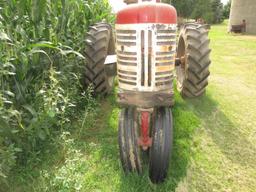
(214,137)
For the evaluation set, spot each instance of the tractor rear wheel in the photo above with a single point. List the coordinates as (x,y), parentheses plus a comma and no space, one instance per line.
(99,43)
(162,134)
(193,49)
(128,141)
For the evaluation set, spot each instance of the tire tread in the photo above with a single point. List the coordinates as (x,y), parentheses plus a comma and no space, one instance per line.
(198,61)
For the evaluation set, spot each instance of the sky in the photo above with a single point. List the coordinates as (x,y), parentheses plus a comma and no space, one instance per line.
(118,4)
(224,1)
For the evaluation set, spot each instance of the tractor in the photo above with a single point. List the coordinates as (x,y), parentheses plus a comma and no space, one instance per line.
(146,54)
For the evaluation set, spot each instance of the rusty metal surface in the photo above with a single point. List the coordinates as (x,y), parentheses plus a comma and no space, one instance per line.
(130,1)
(136,1)
(146,99)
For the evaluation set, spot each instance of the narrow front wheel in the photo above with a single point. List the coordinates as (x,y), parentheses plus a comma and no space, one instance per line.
(128,141)
(162,134)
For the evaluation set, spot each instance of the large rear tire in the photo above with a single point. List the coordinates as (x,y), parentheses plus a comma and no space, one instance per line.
(160,151)
(193,47)
(99,43)
(128,141)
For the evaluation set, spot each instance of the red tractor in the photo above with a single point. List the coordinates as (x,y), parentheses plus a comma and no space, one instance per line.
(146,62)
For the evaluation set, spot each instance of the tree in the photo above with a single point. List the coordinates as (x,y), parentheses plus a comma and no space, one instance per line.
(184,7)
(217,10)
(226,10)
(167,1)
(203,10)
(210,10)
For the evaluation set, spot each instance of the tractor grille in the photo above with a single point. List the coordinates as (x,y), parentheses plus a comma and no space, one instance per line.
(145,56)
(127,58)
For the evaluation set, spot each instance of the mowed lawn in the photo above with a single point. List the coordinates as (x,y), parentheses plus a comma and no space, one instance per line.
(214,137)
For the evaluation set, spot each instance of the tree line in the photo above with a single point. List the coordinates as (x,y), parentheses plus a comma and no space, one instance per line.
(212,11)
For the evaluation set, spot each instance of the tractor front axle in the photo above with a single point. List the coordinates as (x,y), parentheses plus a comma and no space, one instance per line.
(145,141)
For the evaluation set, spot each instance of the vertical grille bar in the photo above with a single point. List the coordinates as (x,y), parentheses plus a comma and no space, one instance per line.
(142,57)
(149,58)
(146,58)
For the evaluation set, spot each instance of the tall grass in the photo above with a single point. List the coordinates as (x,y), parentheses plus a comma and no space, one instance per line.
(41,61)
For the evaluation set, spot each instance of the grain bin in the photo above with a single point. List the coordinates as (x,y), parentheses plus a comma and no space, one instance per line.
(244,10)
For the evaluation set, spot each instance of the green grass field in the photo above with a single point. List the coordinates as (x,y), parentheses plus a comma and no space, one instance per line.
(214,137)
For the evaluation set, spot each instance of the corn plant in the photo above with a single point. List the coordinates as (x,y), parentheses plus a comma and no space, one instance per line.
(41,60)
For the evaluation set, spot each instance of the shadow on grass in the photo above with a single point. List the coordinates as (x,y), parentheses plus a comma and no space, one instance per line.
(185,125)
(224,133)
(188,116)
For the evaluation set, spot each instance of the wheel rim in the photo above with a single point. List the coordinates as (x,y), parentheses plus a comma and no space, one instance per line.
(111,81)
(181,69)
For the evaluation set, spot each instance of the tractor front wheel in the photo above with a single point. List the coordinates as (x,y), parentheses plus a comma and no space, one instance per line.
(160,151)
(128,141)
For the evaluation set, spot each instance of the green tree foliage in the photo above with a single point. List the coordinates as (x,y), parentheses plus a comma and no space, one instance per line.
(210,10)
(41,59)
(217,9)
(203,10)
(226,10)
(167,1)
(184,8)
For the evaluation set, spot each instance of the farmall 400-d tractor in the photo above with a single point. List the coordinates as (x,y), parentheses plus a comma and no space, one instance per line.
(143,54)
